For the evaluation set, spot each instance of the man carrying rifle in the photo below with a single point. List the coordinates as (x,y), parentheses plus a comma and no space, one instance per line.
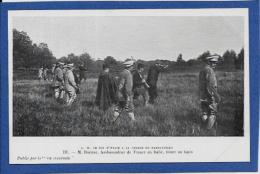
(140,87)
(209,96)
(152,79)
(70,84)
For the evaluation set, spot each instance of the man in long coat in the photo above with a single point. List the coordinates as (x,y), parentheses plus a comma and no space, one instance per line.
(106,95)
(70,84)
(58,81)
(152,79)
(209,96)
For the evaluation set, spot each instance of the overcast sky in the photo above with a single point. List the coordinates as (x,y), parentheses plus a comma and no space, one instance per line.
(142,37)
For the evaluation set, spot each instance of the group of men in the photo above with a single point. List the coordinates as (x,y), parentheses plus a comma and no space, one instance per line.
(132,84)
(43,74)
(119,93)
(64,83)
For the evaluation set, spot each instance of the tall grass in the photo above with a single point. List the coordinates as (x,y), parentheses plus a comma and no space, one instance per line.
(175,113)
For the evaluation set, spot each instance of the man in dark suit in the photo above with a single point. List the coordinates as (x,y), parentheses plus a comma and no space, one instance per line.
(152,79)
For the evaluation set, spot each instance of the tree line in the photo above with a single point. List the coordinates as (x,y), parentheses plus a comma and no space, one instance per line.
(28,55)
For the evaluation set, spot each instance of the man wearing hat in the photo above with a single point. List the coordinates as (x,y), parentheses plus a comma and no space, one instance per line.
(152,78)
(140,87)
(209,96)
(125,89)
(106,95)
(70,84)
(58,81)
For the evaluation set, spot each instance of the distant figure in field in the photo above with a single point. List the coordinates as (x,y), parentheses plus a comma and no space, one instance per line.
(209,96)
(52,71)
(70,84)
(140,87)
(82,73)
(58,81)
(77,79)
(106,95)
(45,74)
(40,74)
(152,79)
(125,88)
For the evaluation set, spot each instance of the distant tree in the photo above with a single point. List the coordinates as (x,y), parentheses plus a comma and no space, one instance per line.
(191,62)
(110,60)
(46,56)
(179,59)
(22,49)
(29,55)
(203,56)
(72,58)
(240,60)
(229,58)
(86,61)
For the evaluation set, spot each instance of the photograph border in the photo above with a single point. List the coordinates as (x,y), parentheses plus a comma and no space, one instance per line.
(134,167)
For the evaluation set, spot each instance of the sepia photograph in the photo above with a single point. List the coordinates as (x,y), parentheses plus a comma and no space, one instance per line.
(128,75)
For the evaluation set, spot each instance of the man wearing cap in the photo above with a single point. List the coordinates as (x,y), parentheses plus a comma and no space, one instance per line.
(209,96)
(139,84)
(58,81)
(125,89)
(70,84)
(152,79)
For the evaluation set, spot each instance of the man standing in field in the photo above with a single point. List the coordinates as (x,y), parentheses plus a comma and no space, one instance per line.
(52,71)
(45,74)
(152,79)
(77,79)
(58,81)
(209,96)
(82,73)
(125,90)
(40,73)
(70,84)
(106,95)
(140,87)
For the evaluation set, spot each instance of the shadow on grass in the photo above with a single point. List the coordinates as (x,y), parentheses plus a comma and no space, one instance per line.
(88,103)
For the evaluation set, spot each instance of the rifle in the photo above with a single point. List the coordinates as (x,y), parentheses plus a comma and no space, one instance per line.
(145,83)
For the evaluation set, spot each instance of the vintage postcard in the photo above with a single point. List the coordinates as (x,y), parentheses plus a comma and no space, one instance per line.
(105,86)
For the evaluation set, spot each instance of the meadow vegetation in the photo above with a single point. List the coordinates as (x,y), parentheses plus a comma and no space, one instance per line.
(175,113)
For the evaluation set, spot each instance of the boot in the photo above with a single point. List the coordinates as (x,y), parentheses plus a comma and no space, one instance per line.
(132,116)
(204,117)
(211,121)
(116,114)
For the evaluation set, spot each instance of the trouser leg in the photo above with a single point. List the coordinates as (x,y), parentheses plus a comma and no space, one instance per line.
(146,97)
(130,107)
(205,111)
(126,105)
(152,93)
(208,118)
(71,96)
(212,115)
(56,93)
(61,93)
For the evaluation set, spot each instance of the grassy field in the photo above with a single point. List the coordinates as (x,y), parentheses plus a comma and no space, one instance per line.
(175,113)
